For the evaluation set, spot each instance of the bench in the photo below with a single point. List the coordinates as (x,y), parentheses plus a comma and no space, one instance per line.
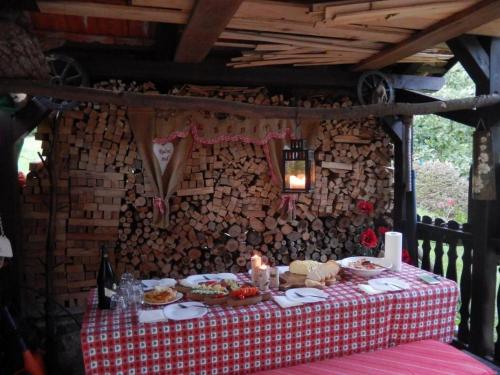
(427,357)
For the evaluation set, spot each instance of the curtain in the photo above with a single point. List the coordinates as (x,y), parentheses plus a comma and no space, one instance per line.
(165,139)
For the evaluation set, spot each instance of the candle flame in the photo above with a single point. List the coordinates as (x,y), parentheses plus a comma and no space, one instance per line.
(297,182)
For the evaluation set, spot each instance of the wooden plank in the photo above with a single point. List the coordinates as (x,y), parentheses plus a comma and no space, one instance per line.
(408,11)
(124,12)
(446,29)
(208,19)
(336,165)
(195,191)
(133,99)
(170,4)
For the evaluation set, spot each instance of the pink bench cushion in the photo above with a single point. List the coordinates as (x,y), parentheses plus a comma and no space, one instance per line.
(427,357)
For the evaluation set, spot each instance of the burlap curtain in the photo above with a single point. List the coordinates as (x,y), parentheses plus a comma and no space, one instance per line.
(143,124)
(165,138)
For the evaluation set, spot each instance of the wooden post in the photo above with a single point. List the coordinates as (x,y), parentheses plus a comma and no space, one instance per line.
(13,127)
(395,128)
(485,220)
(409,184)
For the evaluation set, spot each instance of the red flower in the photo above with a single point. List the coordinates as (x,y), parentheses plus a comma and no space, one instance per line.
(368,238)
(365,207)
(406,256)
(21,179)
(383,230)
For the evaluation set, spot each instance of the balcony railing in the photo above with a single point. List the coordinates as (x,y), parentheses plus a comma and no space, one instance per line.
(446,249)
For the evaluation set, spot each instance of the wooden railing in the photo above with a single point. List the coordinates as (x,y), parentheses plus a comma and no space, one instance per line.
(443,248)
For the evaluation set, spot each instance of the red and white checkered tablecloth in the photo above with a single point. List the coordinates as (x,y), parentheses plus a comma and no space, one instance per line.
(264,336)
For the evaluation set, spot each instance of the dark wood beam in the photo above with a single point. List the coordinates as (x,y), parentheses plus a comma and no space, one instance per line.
(12,127)
(457,24)
(208,20)
(468,117)
(473,58)
(132,99)
(103,66)
(485,221)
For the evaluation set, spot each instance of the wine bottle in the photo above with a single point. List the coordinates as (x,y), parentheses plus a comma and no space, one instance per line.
(105,281)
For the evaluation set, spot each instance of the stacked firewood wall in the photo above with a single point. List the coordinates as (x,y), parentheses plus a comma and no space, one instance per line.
(225,208)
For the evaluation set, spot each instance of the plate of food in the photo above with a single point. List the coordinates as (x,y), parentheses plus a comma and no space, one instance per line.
(366,266)
(213,291)
(194,280)
(161,295)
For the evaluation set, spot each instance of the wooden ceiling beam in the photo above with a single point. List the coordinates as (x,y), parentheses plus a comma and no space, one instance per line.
(468,117)
(446,29)
(473,57)
(101,65)
(208,20)
(167,102)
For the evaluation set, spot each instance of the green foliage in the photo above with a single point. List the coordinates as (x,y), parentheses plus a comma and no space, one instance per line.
(443,151)
(436,138)
(441,191)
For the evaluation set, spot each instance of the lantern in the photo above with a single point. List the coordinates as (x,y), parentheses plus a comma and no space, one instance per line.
(298,168)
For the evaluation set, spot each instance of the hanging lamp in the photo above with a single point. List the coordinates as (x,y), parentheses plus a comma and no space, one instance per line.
(298,166)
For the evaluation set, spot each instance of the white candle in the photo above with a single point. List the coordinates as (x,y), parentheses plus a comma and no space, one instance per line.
(297,182)
(393,249)
(256,261)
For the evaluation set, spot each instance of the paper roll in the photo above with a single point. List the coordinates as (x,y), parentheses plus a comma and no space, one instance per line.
(394,249)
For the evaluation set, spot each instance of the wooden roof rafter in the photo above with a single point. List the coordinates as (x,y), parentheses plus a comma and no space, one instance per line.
(208,20)
(446,29)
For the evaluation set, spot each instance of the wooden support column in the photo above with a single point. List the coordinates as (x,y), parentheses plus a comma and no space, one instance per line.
(395,128)
(410,232)
(485,221)
(13,127)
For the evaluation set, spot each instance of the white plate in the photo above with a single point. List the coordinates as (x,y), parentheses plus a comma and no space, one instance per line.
(389,284)
(175,312)
(150,284)
(281,269)
(177,297)
(366,273)
(194,280)
(291,294)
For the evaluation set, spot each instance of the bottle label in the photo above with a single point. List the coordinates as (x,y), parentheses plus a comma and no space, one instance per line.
(108,292)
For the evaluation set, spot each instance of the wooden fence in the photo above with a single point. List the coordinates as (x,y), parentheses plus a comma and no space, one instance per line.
(434,238)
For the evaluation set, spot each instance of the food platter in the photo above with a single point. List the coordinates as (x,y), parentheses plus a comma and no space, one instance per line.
(226,292)
(158,300)
(365,266)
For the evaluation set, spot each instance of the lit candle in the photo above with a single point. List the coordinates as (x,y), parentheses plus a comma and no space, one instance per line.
(297,182)
(256,261)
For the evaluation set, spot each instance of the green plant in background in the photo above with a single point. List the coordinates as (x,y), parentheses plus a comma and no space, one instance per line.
(443,155)
(441,191)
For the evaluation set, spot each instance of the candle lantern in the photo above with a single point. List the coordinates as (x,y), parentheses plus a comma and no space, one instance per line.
(298,168)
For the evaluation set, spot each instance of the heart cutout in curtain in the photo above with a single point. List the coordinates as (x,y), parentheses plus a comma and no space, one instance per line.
(163,153)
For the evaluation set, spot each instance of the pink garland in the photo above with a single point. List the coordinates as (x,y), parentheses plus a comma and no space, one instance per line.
(193,130)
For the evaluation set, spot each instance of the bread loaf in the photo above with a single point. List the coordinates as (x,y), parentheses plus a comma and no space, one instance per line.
(324,271)
(303,267)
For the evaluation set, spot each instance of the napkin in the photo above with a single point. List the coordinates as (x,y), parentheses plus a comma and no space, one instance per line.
(368,289)
(151,316)
(150,284)
(285,302)
(389,284)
